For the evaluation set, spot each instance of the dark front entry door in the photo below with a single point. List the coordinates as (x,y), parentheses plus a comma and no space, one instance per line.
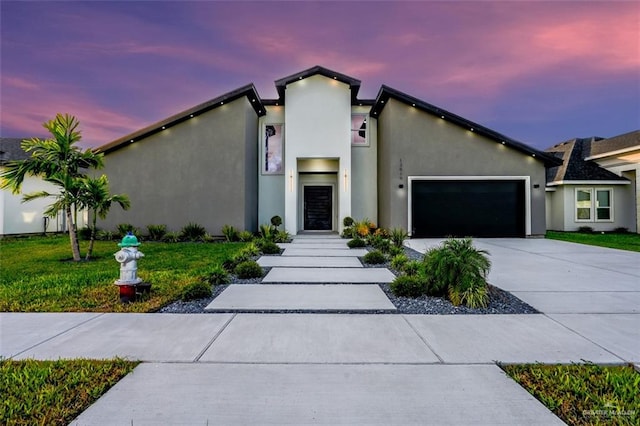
(318,208)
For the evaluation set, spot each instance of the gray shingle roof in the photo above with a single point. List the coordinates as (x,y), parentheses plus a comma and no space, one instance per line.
(575,167)
(10,150)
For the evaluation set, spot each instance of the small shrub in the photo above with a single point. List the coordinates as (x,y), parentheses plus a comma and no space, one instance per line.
(394,251)
(229,264)
(398,235)
(104,235)
(474,296)
(460,268)
(196,290)
(245,236)
(171,237)
(156,232)
(379,243)
(125,228)
(362,228)
(412,267)
(230,233)
(408,286)
(349,232)
(268,247)
(276,221)
(585,230)
(381,232)
(267,231)
(192,232)
(208,238)
(281,237)
(216,276)
(250,250)
(347,222)
(375,257)
(84,233)
(248,269)
(399,261)
(356,243)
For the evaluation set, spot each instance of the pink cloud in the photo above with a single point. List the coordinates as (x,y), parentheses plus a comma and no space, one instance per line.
(19,83)
(98,124)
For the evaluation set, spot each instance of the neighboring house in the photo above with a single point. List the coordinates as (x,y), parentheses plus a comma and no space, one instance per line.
(17,217)
(596,186)
(317,154)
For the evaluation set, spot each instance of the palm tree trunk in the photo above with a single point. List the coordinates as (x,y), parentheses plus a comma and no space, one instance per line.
(73,235)
(93,236)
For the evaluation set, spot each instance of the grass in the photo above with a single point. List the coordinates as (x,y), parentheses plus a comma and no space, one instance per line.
(36,274)
(626,241)
(583,394)
(54,392)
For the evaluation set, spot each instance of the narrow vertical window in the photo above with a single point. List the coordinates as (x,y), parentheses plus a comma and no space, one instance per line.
(583,204)
(603,205)
(359,129)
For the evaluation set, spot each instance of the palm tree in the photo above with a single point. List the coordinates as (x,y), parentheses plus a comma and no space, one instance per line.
(95,196)
(58,161)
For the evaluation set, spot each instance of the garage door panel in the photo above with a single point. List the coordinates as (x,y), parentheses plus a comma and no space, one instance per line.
(468,208)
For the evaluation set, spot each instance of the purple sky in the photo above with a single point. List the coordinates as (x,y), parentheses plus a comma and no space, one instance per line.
(539,72)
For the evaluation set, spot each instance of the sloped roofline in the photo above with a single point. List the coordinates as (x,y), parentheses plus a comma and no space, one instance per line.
(354,83)
(248,91)
(385,93)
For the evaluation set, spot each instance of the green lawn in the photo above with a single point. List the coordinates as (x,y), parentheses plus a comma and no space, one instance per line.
(36,274)
(625,241)
(583,394)
(54,392)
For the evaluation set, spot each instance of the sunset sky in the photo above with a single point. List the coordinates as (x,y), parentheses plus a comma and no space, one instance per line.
(539,72)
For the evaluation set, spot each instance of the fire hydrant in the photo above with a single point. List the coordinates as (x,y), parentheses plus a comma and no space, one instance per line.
(127,257)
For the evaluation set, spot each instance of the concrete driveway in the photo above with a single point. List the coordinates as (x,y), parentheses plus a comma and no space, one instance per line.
(593,291)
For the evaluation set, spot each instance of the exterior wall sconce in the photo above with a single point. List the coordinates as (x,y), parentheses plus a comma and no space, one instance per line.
(346,181)
(290,180)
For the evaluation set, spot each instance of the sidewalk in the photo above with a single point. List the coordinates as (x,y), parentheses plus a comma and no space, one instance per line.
(327,368)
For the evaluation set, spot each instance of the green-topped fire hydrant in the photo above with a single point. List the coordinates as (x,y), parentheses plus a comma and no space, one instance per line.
(127,256)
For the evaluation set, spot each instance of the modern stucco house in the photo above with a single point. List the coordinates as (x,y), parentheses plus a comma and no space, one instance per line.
(317,154)
(597,185)
(17,217)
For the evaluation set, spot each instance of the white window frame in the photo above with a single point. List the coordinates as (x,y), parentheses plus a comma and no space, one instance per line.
(596,207)
(593,208)
(365,117)
(575,204)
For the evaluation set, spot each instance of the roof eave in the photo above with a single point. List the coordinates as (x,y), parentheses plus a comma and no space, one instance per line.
(386,92)
(353,83)
(248,91)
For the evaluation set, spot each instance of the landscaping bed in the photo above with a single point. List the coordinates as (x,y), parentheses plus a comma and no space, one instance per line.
(500,301)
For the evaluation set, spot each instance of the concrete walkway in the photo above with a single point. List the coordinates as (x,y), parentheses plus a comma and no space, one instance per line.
(327,368)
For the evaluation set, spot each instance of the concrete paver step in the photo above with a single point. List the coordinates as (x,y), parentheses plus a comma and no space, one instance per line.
(319,338)
(324,252)
(328,275)
(336,297)
(310,261)
(243,394)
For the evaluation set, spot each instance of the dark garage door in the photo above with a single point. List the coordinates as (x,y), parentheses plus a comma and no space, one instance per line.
(442,208)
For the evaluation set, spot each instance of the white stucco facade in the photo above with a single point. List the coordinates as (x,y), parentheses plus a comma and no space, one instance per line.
(17,217)
(317,150)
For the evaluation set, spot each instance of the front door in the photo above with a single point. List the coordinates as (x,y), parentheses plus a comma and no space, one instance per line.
(318,208)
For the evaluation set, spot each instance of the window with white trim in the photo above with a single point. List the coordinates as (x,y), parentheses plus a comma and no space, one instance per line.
(594,204)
